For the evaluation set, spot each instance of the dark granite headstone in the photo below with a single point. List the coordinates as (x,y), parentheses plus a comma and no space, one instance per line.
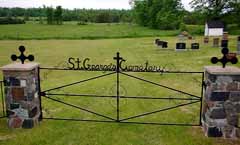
(180,46)
(165,45)
(159,43)
(224,44)
(195,46)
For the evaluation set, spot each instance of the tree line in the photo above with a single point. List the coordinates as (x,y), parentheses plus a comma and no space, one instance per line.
(57,15)
(157,14)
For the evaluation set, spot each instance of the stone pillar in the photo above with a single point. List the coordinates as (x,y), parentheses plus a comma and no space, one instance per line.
(23,104)
(221,105)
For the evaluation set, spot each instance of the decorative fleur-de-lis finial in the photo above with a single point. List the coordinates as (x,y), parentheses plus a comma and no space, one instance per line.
(22,57)
(225,59)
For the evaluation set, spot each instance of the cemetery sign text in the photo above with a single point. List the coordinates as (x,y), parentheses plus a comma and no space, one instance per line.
(85,64)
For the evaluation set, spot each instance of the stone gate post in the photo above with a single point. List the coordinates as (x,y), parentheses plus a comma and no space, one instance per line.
(221,105)
(22,87)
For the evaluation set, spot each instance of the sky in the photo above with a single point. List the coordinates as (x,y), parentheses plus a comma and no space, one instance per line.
(71,4)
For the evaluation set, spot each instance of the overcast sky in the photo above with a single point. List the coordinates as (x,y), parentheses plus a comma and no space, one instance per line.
(96,4)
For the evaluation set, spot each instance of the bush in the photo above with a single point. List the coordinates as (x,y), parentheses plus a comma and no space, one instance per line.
(11,21)
(183,27)
(233,29)
(195,29)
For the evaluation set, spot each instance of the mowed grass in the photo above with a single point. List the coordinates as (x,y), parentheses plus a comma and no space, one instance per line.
(55,53)
(31,31)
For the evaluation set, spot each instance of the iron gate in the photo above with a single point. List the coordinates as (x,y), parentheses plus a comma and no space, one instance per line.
(118,71)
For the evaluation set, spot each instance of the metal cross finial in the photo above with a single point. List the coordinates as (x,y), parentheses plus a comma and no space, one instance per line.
(118,58)
(225,59)
(22,57)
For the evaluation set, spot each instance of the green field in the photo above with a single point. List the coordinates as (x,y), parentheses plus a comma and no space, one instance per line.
(50,53)
(73,31)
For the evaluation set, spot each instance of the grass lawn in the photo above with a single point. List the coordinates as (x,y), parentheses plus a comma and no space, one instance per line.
(52,53)
(74,31)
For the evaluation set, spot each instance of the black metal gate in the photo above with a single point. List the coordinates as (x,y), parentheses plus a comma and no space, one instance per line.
(118,71)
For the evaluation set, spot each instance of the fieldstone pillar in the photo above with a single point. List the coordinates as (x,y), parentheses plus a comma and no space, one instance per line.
(221,105)
(23,104)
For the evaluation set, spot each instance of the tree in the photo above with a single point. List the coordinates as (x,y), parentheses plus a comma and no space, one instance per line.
(141,12)
(158,14)
(58,15)
(236,12)
(49,14)
(214,8)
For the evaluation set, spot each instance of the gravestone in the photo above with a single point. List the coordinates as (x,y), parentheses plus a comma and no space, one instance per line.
(23,104)
(231,55)
(216,42)
(180,46)
(224,44)
(225,36)
(238,45)
(221,105)
(163,44)
(195,46)
(206,40)
(156,41)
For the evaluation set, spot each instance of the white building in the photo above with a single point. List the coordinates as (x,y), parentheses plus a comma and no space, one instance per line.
(214,28)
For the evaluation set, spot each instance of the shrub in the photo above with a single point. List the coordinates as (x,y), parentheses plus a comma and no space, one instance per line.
(233,29)
(195,29)
(11,21)
(183,27)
